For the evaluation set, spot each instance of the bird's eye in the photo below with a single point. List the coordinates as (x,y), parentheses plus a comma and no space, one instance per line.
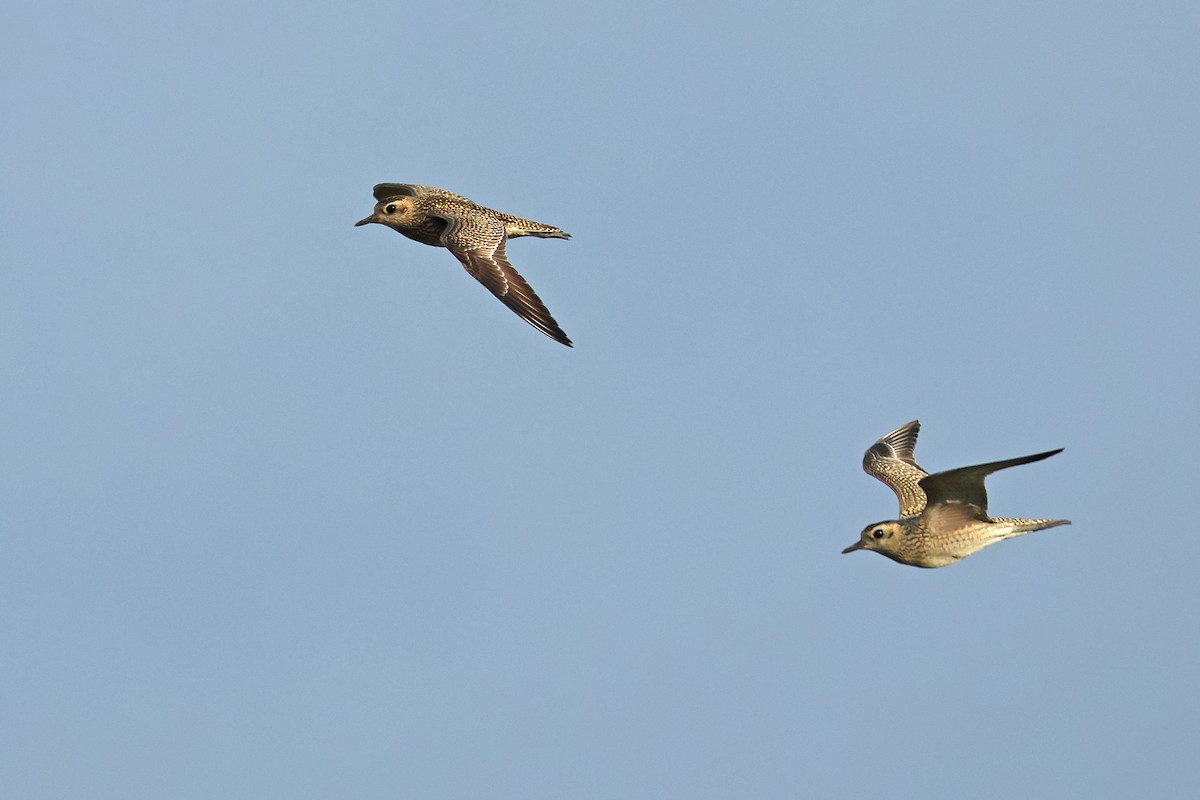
(391,209)
(877,533)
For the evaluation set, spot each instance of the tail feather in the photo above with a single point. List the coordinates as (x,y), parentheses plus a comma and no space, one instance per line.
(554,234)
(527,228)
(1021,526)
(519,226)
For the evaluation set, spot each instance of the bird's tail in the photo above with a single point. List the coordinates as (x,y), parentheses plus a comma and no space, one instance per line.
(1021,526)
(516,226)
(541,231)
(554,234)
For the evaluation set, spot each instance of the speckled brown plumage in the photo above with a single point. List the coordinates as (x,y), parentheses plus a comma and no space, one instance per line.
(476,235)
(891,460)
(944,516)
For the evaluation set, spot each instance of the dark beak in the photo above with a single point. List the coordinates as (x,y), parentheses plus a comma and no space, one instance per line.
(856,546)
(365,221)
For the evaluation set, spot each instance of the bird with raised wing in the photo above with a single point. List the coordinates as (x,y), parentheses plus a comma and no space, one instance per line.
(943,517)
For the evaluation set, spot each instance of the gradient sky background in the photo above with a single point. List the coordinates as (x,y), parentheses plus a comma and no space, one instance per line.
(293,509)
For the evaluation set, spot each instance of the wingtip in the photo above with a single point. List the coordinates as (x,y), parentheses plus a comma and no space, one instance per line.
(559,335)
(900,443)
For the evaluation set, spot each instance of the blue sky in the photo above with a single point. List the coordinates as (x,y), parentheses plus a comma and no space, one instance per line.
(297,509)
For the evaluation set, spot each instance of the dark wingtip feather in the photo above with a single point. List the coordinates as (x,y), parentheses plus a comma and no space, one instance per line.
(900,443)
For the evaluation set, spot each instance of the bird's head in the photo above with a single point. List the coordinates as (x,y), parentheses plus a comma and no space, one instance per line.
(395,211)
(882,537)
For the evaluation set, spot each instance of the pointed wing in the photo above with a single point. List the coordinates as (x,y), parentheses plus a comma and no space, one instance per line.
(891,460)
(965,484)
(386,191)
(478,242)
